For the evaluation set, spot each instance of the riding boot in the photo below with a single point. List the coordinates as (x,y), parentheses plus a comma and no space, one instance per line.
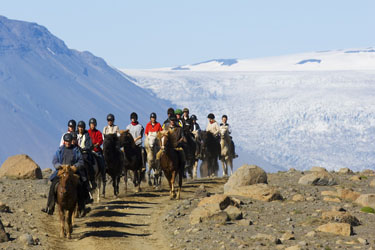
(51,200)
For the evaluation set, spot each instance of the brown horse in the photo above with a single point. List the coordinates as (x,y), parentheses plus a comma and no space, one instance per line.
(170,162)
(67,197)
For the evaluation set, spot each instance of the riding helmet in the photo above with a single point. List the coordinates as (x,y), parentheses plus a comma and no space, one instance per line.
(153,115)
(68,137)
(178,112)
(193,117)
(173,118)
(93,121)
(110,117)
(211,116)
(170,111)
(82,124)
(224,116)
(134,116)
(185,110)
(74,135)
(72,124)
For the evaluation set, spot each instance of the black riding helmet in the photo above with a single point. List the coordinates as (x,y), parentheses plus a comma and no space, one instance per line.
(170,111)
(72,124)
(211,116)
(173,118)
(93,121)
(110,117)
(193,117)
(68,137)
(74,135)
(134,116)
(224,116)
(153,115)
(82,124)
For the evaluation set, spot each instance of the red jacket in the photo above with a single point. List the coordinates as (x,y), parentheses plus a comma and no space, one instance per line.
(149,128)
(96,137)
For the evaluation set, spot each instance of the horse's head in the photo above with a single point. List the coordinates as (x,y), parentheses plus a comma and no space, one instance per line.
(163,137)
(65,173)
(110,140)
(224,132)
(151,139)
(126,139)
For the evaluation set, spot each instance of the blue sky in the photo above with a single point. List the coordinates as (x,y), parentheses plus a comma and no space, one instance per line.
(150,34)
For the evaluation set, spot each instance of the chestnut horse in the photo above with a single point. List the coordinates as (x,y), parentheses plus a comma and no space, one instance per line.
(170,162)
(67,197)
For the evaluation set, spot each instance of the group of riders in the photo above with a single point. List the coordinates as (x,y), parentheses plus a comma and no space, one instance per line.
(81,148)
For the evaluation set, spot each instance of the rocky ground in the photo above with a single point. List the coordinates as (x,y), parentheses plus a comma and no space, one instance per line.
(150,220)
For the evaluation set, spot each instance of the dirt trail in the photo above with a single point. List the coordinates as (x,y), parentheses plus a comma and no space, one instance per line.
(133,221)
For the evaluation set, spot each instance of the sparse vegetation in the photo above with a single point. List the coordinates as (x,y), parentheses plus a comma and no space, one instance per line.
(369,210)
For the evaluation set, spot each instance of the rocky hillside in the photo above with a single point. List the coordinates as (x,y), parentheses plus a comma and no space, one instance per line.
(252,209)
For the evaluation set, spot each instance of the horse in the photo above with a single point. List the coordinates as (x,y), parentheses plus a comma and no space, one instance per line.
(210,151)
(190,153)
(170,162)
(67,197)
(114,159)
(197,140)
(134,159)
(226,150)
(152,148)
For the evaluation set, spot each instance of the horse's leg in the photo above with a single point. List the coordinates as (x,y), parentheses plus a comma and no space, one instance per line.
(172,182)
(118,184)
(62,221)
(98,183)
(223,163)
(139,180)
(195,169)
(126,180)
(179,184)
(149,174)
(70,223)
(114,185)
(231,165)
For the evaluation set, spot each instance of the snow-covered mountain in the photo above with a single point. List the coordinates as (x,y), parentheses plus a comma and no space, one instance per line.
(43,84)
(292,111)
(349,59)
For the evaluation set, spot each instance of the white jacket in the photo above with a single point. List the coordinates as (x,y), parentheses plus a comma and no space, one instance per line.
(213,128)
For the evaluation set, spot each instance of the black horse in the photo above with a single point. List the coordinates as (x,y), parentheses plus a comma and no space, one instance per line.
(134,159)
(114,159)
(210,152)
(190,151)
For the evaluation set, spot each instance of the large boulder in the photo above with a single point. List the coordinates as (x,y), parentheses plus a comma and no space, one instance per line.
(347,194)
(260,191)
(209,212)
(318,169)
(318,179)
(223,201)
(20,167)
(340,216)
(344,229)
(345,171)
(366,200)
(246,175)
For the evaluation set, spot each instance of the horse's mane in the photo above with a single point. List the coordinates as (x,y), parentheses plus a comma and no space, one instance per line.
(70,170)
(125,136)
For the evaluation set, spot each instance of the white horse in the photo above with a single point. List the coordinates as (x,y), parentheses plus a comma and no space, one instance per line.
(226,150)
(152,148)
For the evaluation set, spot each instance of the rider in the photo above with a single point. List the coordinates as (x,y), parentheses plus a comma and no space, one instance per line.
(111,128)
(85,144)
(178,113)
(71,128)
(194,125)
(196,130)
(170,112)
(137,130)
(68,154)
(224,123)
(212,125)
(153,125)
(180,139)
(97,140)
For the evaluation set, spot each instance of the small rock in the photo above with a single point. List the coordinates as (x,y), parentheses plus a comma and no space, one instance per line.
(295,247)
(245,222)
(330,199)
(356,178)
(26,239)
(363,241)
(3,235)
(317,179)
(298,197)
(287,236)
(345,171)
(366,200)
(233,213)
(311,234)
(4,208)
(176,232)
(342,217)
(302,243)
(329,193)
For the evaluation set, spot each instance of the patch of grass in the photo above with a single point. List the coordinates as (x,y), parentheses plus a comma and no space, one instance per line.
(369,210)
(363,177)
(327,248)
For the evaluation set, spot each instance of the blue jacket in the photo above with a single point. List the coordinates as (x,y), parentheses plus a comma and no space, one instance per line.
(58,159)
